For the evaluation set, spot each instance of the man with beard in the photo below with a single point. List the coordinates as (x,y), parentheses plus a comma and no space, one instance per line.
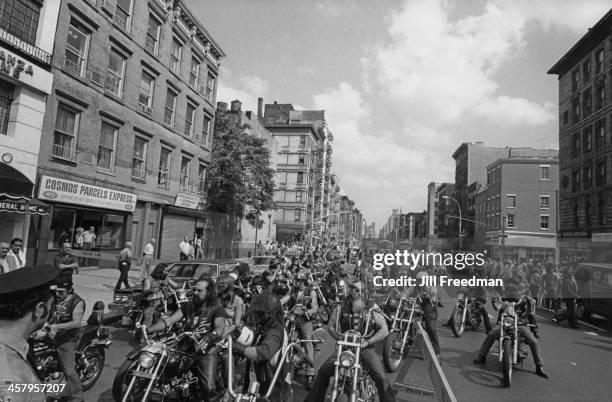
(353,315)
(205,314)
(25,303)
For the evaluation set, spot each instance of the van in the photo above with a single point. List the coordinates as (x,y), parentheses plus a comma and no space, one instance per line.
(595,290)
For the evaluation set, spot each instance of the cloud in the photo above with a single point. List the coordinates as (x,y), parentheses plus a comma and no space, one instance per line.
(506,111)
(246,89)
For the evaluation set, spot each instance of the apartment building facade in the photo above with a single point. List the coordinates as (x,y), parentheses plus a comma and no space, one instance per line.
(127,134)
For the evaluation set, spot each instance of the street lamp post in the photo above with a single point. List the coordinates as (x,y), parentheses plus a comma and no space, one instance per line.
(458,206)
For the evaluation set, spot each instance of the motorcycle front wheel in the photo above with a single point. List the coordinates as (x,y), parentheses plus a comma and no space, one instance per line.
(324,314)
(392,351)
(122,381)
(456,323)
(507,363)
(90,373)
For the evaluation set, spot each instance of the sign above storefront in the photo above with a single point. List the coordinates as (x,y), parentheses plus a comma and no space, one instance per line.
(602,238)
(23,206)
(21,70)
(574,234)
(187,201)
(72,192)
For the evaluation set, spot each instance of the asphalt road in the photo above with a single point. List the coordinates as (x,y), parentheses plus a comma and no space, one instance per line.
(579,362)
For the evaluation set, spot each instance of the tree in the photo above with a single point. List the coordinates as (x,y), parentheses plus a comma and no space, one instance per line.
(240,176)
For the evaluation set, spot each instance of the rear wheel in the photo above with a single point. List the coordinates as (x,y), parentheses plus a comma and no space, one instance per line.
(507,362)
(392,351)
(456,322)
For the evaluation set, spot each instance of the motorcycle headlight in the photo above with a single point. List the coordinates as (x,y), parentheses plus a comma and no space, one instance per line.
(508,321)
(347,359)
(146,360)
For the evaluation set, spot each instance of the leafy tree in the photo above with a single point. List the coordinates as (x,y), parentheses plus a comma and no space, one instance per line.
(240,177)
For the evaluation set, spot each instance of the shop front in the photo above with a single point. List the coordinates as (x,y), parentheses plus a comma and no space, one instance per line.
(183,219)
(79,207)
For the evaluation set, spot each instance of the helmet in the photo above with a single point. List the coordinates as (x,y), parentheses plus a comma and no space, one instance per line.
(246,337)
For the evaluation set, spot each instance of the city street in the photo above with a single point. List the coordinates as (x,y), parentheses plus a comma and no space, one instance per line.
(577,361)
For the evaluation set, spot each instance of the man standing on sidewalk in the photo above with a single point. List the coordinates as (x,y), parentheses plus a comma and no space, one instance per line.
(16,253)
(89,239)
(184,249)
(65,261)
(125,262)
(147,254)
(6,264)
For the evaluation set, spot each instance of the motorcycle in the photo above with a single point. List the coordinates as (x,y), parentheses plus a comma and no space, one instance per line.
(351,379)
(466,310)
(402,332)
(297,357)
(513,348)
(324,312)
(89,356)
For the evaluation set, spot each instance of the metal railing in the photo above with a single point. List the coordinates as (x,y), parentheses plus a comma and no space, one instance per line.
(25,47)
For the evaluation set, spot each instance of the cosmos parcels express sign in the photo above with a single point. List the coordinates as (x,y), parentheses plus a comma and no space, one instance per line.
(72,192)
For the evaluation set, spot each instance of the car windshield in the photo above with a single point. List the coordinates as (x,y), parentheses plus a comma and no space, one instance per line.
(261,260)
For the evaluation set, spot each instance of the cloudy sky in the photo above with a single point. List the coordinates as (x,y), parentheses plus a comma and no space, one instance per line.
(404,82)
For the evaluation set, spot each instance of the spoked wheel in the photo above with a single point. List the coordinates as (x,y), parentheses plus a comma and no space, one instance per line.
(324,314)
(122,381)
(392,347)
(507,363)
(94,358)
(456,322)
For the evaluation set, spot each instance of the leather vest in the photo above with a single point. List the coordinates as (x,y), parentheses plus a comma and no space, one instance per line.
(63,314)
(355,321)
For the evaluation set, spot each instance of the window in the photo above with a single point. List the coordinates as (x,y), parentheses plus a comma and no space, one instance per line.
(301,159)
(300,178)
(152,39)
(20,18)
(510,221)
(145,98)
(544,201)
(544,172)
(106,148)
(600,174)
(576,109)
(599,61)
(298,215)
(206,129)
(600,134)
(122,14)
(601,212)
(185,166)
(210,88)
(194,73)
(116,73)
(175,56)
(6,99)
(586,70)
(575,181)
(298,196)
(600,97)
(189,119)
(545,222)
(170,107)
(64,137)
(77,46)
(588,139)
(565,118)
(576,145)
(511,198)
(575,79)
(587,102)
(110,227)
(163,178)
(139,159)
(202,179)
(588,176)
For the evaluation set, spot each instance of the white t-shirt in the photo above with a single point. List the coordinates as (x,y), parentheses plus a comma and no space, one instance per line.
(89,237)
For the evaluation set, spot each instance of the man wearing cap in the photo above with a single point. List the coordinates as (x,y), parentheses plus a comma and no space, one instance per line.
(125,262)
(65,261)
(26,301)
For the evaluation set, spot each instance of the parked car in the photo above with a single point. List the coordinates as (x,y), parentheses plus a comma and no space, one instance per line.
(595,290)
(260,263)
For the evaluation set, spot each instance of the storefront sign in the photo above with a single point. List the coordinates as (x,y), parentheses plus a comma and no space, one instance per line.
(574,234)
(22,207)
(21,70)
(72,192)
(187,201)
(602,238)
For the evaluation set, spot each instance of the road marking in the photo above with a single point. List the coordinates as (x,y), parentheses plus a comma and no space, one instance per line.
(593,326)
(591,333)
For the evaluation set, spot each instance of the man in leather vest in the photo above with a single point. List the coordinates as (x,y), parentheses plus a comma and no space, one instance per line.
(352,315)
(64,328)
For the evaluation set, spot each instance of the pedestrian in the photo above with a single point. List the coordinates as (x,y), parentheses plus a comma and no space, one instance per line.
(16,253)
(65,261)
(26,301)
(198,246)
(147,254)
(184,249)
(6,264)
(125,262)
(89,239)
(569,292)
(78,241)
(191,250)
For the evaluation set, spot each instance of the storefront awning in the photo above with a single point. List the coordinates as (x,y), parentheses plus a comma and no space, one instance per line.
(13,182)
(22,205)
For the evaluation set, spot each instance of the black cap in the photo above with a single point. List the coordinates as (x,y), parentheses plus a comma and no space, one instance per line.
(27,278)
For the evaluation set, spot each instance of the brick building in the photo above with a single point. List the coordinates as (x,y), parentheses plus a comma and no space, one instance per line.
(585,144)
(127,132)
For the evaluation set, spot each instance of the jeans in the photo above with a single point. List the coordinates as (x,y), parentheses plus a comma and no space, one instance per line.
(206,370)
(569,313)
(430,317)
(65,354)
(485,317)
(183,257)
(306,330)
(529,339)
(123,278)
(370,361)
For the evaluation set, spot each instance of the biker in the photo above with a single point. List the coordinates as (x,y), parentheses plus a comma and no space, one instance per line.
(429,305)
(353,311)
(525,312)
(152,290)
(568,289)
(204,313)
(64,330)
(232,303)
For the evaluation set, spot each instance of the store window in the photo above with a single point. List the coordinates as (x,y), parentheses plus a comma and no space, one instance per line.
(109,227)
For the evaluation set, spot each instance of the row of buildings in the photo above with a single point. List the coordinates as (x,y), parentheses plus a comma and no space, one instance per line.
(535,203)
(106,120)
